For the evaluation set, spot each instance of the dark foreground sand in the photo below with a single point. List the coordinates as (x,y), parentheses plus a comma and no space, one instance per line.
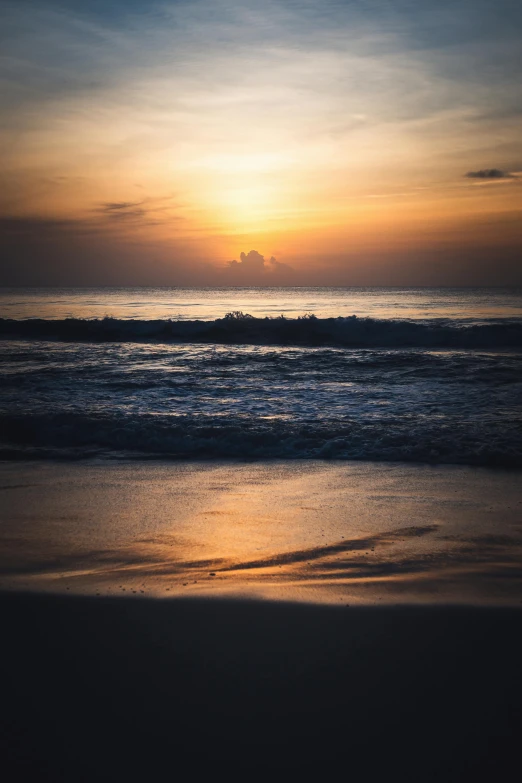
(120,689)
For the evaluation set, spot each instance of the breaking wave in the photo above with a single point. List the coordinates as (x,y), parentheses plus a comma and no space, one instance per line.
(238,328)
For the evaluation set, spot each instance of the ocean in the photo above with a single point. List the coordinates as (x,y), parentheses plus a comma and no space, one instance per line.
(418,375)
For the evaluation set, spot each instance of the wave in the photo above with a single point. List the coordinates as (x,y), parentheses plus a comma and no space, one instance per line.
(449,440)
(238,328)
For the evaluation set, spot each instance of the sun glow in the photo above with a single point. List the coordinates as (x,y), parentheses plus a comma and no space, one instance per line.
(320,140)
(247,207)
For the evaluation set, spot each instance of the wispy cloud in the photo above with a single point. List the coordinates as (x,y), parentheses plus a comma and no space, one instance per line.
(149,211)
(118,206)
(489,174)
(123,210)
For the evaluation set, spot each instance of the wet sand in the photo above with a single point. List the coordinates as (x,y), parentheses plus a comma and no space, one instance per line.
(118,689)
(328,532)
(387,644)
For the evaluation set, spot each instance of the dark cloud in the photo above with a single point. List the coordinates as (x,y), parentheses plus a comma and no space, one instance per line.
(489,174)
(251,262)
(278,266)
(118,206)
(123,210)
(254,263)
(150,211)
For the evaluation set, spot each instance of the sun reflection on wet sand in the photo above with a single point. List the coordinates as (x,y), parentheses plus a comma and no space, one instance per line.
(307,531)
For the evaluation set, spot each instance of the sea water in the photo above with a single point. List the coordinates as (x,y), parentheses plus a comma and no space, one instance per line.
(426,375)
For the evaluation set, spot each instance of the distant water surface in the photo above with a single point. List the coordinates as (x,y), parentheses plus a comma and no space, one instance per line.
(474,304)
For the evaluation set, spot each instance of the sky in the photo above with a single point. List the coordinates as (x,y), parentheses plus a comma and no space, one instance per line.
(289,142)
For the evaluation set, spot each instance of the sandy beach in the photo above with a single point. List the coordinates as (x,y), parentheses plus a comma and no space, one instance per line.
(260,618)
(314,531)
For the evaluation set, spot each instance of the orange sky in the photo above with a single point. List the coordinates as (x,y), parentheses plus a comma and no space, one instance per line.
(155,146)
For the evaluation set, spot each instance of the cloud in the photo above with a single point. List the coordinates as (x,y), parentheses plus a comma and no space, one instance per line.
(123,210)
(278,266)
(116,206)
(489,174)
(253,269)
(254,263)
(251,262)
(152,210)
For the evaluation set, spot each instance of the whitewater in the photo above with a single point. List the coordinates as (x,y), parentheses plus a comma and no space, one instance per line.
(422,375)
